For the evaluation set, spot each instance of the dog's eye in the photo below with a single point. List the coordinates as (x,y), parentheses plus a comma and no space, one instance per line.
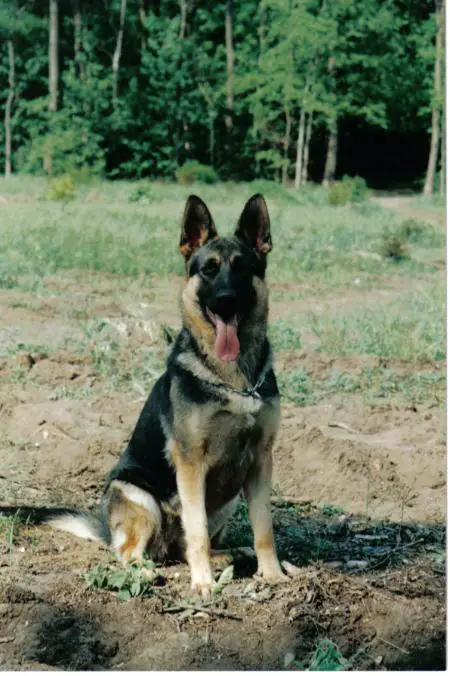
(210,267)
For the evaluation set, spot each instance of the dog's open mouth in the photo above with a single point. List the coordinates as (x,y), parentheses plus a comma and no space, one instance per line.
(227,341)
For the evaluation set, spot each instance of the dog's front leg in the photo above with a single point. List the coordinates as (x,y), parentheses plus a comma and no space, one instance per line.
(191,489)
(257,492)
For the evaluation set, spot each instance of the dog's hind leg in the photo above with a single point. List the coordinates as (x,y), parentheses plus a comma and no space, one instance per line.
(134,519)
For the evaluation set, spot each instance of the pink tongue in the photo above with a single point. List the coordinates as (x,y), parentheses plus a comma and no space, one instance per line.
(227,342)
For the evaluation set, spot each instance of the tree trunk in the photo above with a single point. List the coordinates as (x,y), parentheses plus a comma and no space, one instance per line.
(230,62)
(209,99)
(53,61)
(8,106)
(142,19)
(77,39)
(304,176)
(118,53)
(428,187)
(286,141)
(331,161)
(183,19)
(211,139)
(300,142)
(443,163)
(332,148)
(53,76)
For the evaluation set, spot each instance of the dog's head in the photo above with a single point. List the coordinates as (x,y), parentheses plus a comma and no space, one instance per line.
(224,268)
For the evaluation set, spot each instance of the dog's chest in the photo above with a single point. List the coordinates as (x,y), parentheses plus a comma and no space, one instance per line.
(230,452)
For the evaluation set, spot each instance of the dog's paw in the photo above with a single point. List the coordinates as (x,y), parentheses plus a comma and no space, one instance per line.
(202,588)
(273,575)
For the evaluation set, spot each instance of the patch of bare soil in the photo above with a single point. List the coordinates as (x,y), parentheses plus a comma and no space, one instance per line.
(360,510)
(406,206)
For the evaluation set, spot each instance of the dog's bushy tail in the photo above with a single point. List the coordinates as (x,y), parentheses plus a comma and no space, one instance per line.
(82,524)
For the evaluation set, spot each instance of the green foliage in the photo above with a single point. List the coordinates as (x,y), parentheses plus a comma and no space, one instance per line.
(142,194)
(283,337)
(326,657)
(349,190)
(71,152)
(331,510)
(195,172)
(134,580)
(297,386)
(410,329)
(172,105)
(225,578)
(61,189)
(9,528)
(412,229)
(420,232)
(379,382)
(393,246)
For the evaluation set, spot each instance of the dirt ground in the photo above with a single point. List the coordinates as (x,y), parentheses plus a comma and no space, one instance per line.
(406,206)
(360,508)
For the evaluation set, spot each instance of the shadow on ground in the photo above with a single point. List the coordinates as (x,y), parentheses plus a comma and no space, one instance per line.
(366,595)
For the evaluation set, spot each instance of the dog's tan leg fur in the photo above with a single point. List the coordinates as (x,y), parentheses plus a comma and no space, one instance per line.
(257,492)
(190,475)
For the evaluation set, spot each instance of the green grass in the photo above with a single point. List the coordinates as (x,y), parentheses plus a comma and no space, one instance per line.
(383,383)
(306,533)
(101,230)
(297,386)
(435,201)
(319,250)
(300,388)
(410,328)
(283,337)
(9,528)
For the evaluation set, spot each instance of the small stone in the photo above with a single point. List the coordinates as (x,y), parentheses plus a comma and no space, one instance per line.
(289,658)
(201,615)
(291,570)
(263,595)
(356,565)
(26,361)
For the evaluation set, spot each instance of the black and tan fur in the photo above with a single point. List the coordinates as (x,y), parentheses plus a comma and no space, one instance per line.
(207,430)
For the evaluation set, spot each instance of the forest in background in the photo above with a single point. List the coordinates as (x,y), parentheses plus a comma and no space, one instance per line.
(252,89)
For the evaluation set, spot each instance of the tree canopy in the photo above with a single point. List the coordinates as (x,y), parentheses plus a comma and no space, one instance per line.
(135,88)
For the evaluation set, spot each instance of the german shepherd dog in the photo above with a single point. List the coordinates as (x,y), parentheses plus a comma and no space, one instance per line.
(208,427)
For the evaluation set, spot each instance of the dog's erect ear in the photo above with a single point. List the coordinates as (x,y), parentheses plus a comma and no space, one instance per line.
(254,225)
(197,226)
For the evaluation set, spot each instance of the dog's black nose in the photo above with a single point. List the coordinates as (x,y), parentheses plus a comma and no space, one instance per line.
(225,304)
(226,294)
